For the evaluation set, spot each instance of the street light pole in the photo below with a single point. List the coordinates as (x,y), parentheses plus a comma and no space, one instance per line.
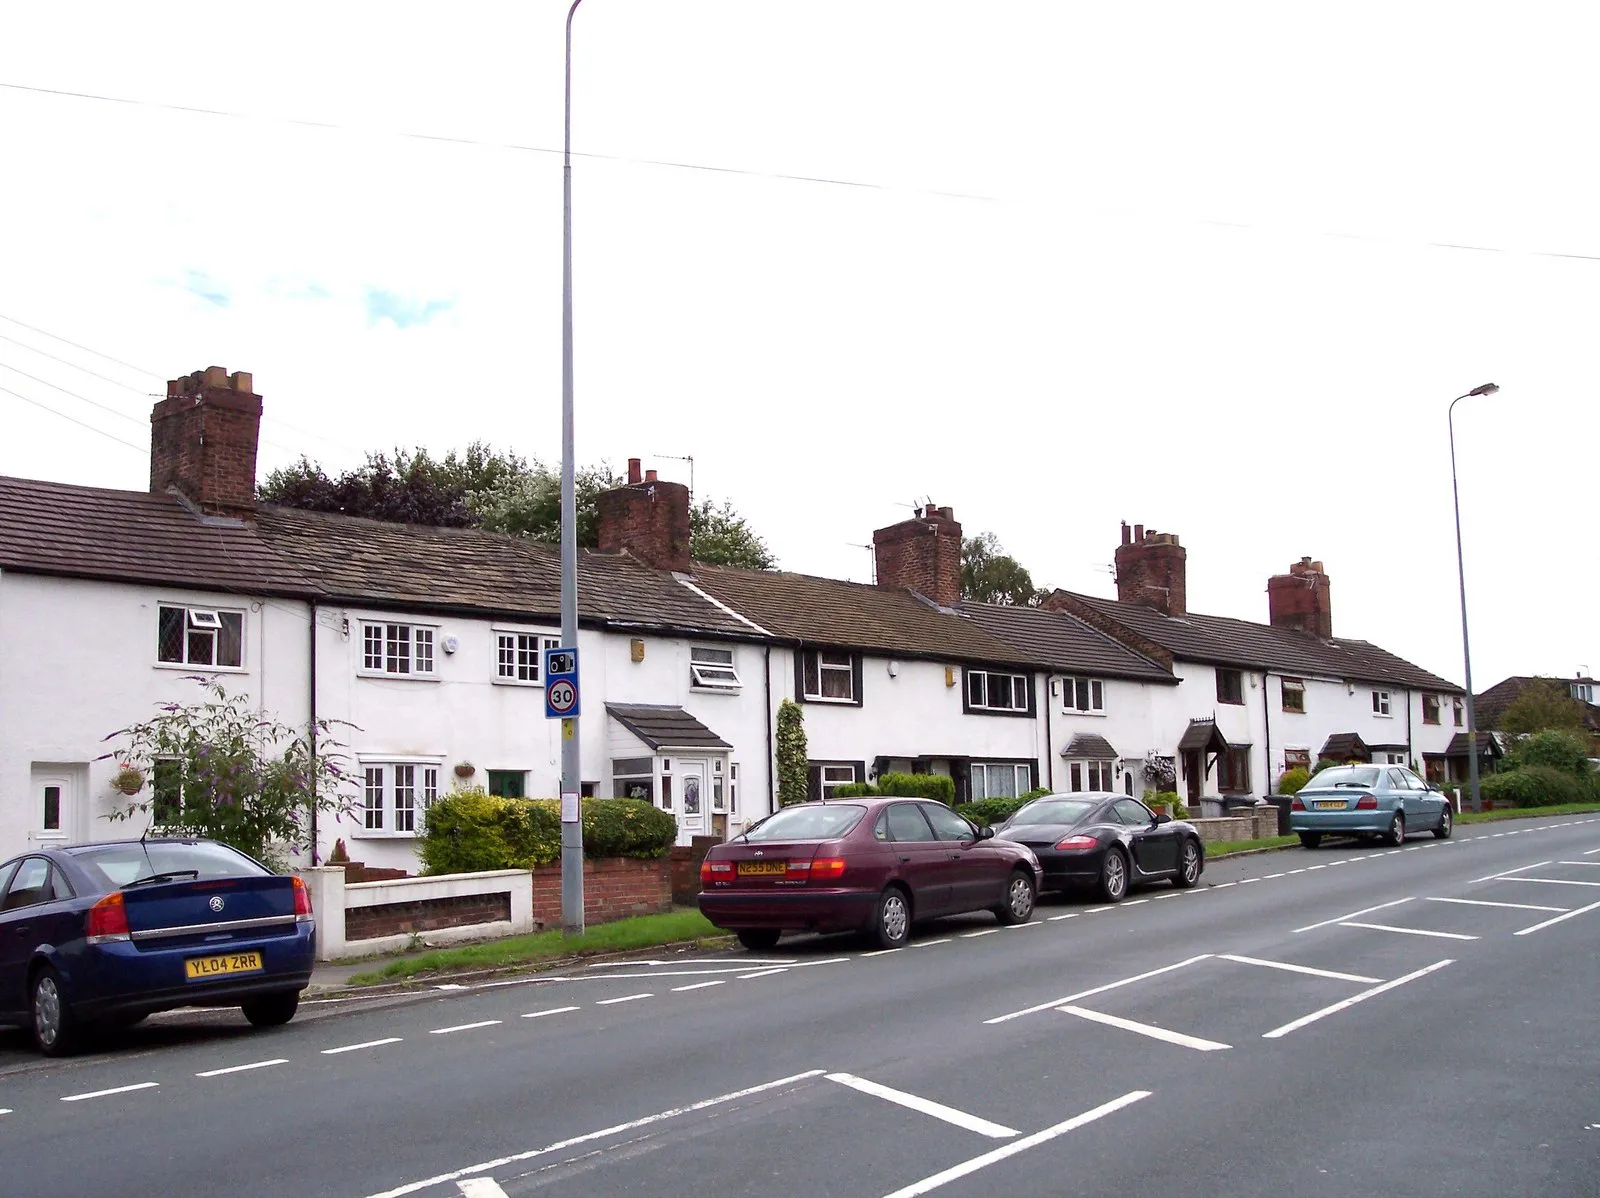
(1461,570)
(571,767)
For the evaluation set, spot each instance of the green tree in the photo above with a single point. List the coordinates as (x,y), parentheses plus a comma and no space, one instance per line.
(221,769)
(990,575)
(792,759)
(1544,703)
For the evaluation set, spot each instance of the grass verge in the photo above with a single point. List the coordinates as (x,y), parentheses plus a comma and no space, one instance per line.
(1222,848)
(1487,817)
(642,931)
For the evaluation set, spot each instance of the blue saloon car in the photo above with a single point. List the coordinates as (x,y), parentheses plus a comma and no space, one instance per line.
(105,934)
(1386,801)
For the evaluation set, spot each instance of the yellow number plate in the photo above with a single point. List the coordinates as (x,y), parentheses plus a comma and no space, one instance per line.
(198,969)
(1331,805)
(756,868)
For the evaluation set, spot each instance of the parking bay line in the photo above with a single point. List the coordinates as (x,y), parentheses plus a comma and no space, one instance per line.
(1383,927)
(1487,903)
(1507,873)
(926,1106)
(1341,918)
(1554,881)
(1146,1029)
(1539,927)
(480,1187)
(463,1027)
(108,1093)
(332,1052)
(1305,969)
(243,1068)
(1278,1033)
(956,1172)
(1072,998)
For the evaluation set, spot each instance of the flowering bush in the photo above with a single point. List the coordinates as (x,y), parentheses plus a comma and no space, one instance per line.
(219,769)
(1159,771)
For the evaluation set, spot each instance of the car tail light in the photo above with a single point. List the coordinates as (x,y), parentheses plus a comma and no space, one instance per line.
(824,868)
(1077,844)
(1366,803)
(715,871)
(302,901)
(108,920)
(1297,804)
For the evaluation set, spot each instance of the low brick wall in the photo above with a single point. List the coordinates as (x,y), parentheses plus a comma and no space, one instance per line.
(361,918)
(613,888)
(1254,823)
(426,915)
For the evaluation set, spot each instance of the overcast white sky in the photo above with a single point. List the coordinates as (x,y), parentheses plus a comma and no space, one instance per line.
(1185,265)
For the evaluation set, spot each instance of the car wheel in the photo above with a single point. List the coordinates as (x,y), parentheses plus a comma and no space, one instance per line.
(1188,866)
(1311,839)
(55,1030)
(272,1010)
(1447,823)
(892,927)
(1397,830)
(1020,896)
(1114,876)
(759,940)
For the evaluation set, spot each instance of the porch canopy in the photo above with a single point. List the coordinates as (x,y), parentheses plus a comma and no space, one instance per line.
(1345,746)
(1086,746)
(1203,736)
(665,727)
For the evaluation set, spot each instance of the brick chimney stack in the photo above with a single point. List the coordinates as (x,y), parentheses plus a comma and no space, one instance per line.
(922,554)
(1152,570)
(648,518)
(1300,599)
(203,441)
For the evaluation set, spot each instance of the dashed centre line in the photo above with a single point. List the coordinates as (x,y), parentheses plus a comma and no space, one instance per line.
(463,1027)
(607,1002)
(332,1052)
(243,1068)
(564,1010)
(108,1093)
(763,973)
(695,986)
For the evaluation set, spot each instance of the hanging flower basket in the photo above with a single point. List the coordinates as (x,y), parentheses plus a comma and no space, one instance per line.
(465,769)
(128,780)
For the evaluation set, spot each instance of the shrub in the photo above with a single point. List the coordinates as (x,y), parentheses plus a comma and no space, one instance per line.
(626,828)
(793,779)
(986,812)
(919,786)
(1533,786)
(468,831)
(855,790)
(1038,792)
(463,833)
(1168,798)
(1554,748)
(1292,780)
(1324,763)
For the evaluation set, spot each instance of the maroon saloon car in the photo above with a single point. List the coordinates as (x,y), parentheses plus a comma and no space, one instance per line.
(872,865)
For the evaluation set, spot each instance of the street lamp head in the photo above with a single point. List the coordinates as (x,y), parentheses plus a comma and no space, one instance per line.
(1486,389)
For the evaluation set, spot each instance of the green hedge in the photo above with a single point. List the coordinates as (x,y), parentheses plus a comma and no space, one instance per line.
(1292,780)
(468,831)
(986,812)
(1535,786)
(919,786)
(854,790)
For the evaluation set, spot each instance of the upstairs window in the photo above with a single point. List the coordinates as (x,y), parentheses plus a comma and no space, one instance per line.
(1583,692)
(712,669)
(199,636)
(517,656)
(404,650)
(1459,711)
(1430,709)
(1294,695)
(1083,696)
(1380,703)
(993,691)
(1230,687)
(829,676)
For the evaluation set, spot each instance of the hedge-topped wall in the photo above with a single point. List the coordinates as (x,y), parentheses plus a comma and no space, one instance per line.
(468,831)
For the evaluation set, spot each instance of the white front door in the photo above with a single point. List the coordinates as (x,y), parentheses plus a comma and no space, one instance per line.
(56,800)
(692,792)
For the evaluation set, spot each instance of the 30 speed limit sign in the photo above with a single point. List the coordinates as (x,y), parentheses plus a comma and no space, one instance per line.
(562,698)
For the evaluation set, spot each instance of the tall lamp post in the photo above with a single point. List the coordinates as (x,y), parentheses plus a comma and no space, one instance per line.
(571,821)
(1461,570)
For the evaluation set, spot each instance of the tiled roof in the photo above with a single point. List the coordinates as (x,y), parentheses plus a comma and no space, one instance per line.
(375,562)
(1202,736)
(134,536)
(1089,746)
(1490,744)
(1345,746)
(1225,641)
(1063,642)
(854,615)
(661,726)
(1489,708)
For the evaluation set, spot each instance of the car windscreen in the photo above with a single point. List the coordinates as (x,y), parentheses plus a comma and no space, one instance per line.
(1345,775)
(812,821)
(1065,811)
(115,865)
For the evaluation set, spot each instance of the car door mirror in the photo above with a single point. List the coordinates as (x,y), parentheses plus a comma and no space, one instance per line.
(1163,818)
(986,832)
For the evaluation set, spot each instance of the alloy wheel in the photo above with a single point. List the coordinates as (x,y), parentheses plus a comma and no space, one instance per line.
(1020,898)
(894,916)
(1116,876)
(1191,864)
(46,1011)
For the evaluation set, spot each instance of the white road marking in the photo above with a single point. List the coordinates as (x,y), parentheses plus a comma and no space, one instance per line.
(1019,927)
(748,961)
(480,1187)
(1146,1029)
(108,1093)
(696,986)
(1301,870)
(763,973)
(975,935)
(551,1011)
(1345,1004)
(1136,902)
(1554,881)
(463,1027)
(1508,872)
(1224,885)
(1059,918)
(1590,852)
(955,1172)
(450,986)
(333,1052)
(1311,927)
(1096,911)
(1593,863)
(615,1129)
(1487,903)
(929,943)
(1072,998)
(1383,927)
(1316,867)
(1341,861)
(1269,877)
(244,1068)
(1539,927)
(5,1110)
(881,952)
(606,1002)
(1306,969)
(926,1106)
(1247,881)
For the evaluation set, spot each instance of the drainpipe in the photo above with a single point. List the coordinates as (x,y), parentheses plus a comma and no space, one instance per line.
(312,730)
(1266,715)
(772,718)
(1049,741)
(1411,750)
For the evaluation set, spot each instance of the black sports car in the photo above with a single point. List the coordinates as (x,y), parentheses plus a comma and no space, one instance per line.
(1107,841)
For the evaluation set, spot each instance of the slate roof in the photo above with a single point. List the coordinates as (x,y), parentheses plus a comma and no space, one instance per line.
(1088,745)
(661,726)
(854,615)
(1490,744)
(134,536)
(1063,642)
(1202,736)
(1222,640)
(1345,746)
(1490,706)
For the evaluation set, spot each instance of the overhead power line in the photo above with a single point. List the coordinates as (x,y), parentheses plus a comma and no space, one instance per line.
(105,378)
(84,398)
(74,420)
(56,337)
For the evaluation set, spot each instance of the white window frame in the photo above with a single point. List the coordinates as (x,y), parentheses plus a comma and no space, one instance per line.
(1021,773)
(1458,712)
(708,671)
(733,788)
(1083,773)
(1583,692)
(405,788)
(1021,685)
(826,667)
(514,672)
(206,620)
(1382,705)
(421,660)
(826,785)
(1095,688)
(1293,686)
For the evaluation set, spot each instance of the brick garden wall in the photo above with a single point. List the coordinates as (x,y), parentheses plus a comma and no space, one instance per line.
(425,915)
(613,888)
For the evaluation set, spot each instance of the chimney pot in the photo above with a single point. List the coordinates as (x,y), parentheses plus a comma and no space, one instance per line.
(647,518)
(203,440)
(649,476)
(1138,533)
(1152,571)
(946,513)
(1301,599)
(633,471)
(1127,534)
(922,554)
